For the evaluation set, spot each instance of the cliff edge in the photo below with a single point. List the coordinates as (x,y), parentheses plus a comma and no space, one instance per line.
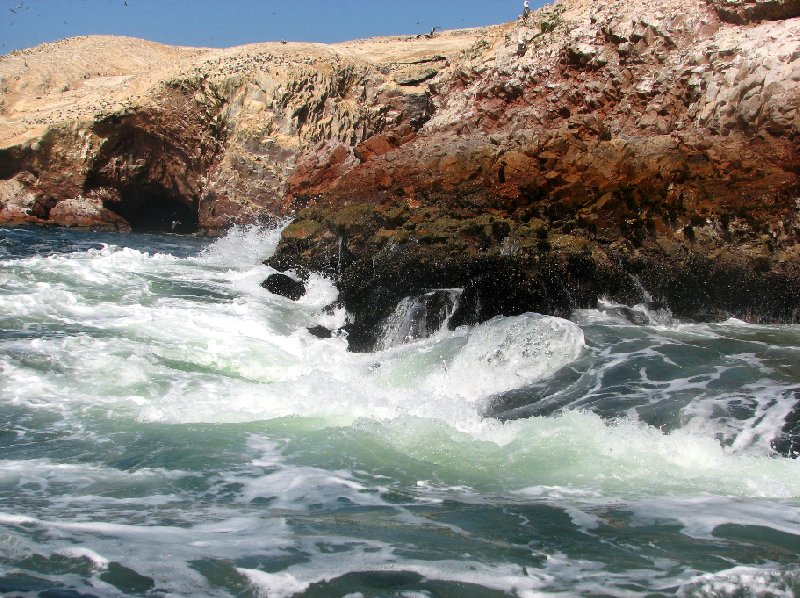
(638,150)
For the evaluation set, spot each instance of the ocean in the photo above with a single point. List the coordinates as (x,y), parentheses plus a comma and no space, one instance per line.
(170,428)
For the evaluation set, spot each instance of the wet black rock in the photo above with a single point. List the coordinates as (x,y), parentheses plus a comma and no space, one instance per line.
(709,290)
(371,289)
(788,441)
(285,286)
(506,266)
(493,286)
(320,331)
(418,317)
(505,287)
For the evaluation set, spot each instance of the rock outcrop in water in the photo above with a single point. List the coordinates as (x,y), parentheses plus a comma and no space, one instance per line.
(596,149)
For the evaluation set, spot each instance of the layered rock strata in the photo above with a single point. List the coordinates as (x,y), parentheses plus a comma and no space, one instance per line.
(121,133)
(639,150)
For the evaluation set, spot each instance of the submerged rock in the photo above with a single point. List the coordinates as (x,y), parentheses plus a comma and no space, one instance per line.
(285,286)
(788,441)
(320,332)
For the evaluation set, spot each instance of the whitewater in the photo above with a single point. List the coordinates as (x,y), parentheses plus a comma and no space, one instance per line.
(170,428)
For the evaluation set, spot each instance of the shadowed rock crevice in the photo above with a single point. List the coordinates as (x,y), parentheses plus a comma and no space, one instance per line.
(13,161)
(145,175)
(151,208)
(140,152)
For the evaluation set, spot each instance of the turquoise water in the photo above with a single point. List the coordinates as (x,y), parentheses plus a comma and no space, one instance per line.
(169,428)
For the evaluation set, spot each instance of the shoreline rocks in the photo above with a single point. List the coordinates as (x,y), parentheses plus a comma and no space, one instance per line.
(615,149)
(284,285)
(507,268)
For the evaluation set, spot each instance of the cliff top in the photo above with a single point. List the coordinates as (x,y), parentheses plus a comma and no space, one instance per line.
(85,78)
(81,78)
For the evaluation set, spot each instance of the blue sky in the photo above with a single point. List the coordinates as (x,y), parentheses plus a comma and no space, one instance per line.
(224,23)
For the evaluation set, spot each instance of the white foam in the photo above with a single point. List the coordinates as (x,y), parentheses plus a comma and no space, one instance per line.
(250,368)
(743,581)
(321,292)
(507,353)
(163,552)
(11,519)
(80,552)
(501,577)
(43,472)
(700,516)
(243,246)
(250,359)
(274,585)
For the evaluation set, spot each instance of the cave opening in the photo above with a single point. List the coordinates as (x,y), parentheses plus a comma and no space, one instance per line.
(152,209)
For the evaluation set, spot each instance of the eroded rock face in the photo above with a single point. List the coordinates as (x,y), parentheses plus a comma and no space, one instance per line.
(628,146)
(597,148)
(741,12)
(203,138)
(671,102)
(579,106)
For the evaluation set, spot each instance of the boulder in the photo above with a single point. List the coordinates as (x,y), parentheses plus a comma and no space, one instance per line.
(320,331)
(284,286)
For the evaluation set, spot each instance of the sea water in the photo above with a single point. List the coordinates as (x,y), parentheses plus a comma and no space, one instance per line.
(170,428)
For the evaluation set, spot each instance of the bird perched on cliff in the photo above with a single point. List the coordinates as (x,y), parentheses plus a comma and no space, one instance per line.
(526,10)
(428,35)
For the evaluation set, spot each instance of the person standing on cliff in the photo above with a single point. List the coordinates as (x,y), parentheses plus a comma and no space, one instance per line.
(526,10)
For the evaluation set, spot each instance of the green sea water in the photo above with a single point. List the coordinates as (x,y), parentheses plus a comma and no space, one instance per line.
(170,428)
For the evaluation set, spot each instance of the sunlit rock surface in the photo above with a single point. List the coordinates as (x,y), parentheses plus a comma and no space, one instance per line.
(627,149)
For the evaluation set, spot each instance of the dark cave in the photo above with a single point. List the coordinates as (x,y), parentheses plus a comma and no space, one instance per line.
(152,209)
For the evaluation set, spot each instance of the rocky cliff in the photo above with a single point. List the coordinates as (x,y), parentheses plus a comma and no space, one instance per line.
(594,149)
(116,132)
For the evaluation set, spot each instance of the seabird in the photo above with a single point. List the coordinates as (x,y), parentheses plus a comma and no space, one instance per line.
(429,35)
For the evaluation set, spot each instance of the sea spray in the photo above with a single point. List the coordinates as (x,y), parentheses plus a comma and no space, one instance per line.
(168,426)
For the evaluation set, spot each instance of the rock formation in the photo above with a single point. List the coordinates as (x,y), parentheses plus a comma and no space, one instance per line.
(284,286)
(121,133)
(635,149)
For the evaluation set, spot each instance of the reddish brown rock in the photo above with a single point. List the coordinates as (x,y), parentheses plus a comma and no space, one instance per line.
(677,101)
(595,140)
(741,12)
